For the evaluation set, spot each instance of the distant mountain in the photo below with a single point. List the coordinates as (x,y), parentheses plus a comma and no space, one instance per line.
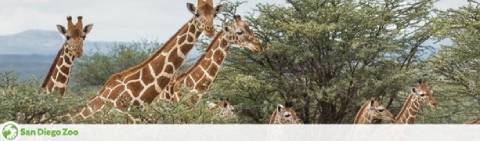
(40,42)
(26,66)
(30,53)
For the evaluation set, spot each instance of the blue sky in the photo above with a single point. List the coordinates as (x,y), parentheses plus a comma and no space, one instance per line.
(115,20)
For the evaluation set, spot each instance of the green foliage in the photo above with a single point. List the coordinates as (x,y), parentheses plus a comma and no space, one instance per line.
(94,70)
(162,113)
(456,67)
(22,103)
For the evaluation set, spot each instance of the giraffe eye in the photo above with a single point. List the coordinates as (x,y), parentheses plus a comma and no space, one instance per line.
(381,110)
(239,32)
(422,95)
(68,37)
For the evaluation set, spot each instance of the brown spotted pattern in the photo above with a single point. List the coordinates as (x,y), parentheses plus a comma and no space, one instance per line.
(141,84)
(202,74)
(419,96)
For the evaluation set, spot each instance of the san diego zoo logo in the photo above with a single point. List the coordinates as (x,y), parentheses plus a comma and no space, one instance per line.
(10,131)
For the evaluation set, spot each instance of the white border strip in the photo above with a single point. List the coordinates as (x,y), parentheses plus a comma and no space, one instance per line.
(263,132)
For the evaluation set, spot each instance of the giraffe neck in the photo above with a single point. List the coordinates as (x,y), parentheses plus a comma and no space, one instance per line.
(274,119)
(408,113)
(362,116)
(141,84)
(203,73)
(59,73)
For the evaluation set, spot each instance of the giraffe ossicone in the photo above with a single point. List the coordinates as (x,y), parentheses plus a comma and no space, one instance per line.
(59,73)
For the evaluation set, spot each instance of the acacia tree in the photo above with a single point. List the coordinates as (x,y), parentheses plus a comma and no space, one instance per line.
(327,56)
(456,67)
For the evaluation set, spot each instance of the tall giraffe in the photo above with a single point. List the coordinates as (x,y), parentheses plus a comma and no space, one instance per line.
(419,96)
(59,73)
(140,85)
(284,115)
(201,75)
(373,112)
(223,108)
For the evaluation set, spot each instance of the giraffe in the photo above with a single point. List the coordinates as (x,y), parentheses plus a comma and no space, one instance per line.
(140,84)
(475,121)
(201,75)
(284,115)
(374,112)
(222,107)
(420,95)
(59,73)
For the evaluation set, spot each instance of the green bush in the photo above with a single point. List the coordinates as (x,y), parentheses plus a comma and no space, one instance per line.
(21,102)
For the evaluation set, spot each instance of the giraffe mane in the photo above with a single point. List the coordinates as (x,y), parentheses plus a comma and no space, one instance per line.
(361,111)
(405,105)
(47,78)
(210,46)
(171,41)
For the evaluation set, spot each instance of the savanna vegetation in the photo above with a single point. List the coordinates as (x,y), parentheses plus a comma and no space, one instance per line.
(325,56)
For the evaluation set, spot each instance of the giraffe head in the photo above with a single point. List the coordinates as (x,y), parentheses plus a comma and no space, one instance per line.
(377,113)
(75,34)
(223,106)
(205,13)
(240,33)
(286,114)
(424,95)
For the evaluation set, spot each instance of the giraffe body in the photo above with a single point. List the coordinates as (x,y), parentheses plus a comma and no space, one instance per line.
(475,121)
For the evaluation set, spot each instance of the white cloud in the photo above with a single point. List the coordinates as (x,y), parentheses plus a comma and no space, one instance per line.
(115,20)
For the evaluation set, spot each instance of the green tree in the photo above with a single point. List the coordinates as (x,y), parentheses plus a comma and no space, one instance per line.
(328,56)
(456,67)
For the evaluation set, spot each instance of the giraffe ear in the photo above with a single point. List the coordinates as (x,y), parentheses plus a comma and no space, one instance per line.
(88,28)
(279,107)
(414,90)
(62,29)
(192,8)
(372,102)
